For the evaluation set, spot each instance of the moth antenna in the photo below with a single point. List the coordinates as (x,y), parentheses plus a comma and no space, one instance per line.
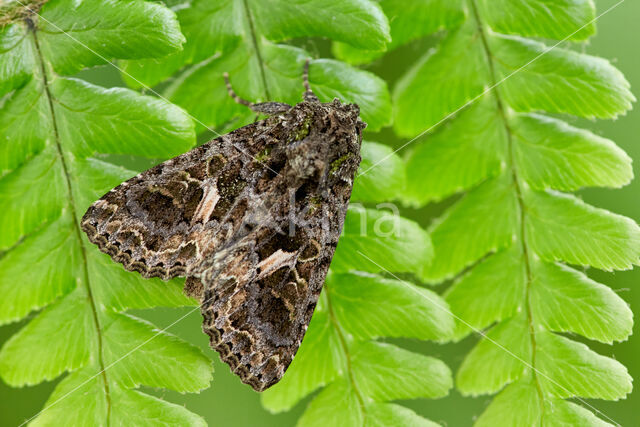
(308,93)
(268,108)
(234,95)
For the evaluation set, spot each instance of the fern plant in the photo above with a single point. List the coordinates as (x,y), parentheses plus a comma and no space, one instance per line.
(55,167)
(509,242)
(55,129)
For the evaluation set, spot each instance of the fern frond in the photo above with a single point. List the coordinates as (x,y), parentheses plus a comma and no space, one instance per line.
(55,127)
(507,241)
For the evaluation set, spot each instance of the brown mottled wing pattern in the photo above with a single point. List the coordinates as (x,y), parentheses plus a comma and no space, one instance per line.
(262,303)
(165,221)
(252,219)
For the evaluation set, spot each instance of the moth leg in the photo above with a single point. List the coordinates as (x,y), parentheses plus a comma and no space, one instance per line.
(261,107)
(308,94)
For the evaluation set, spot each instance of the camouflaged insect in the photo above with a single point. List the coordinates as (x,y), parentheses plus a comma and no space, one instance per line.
(251,219)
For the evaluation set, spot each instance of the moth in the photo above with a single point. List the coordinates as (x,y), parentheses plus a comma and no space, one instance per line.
(251,219)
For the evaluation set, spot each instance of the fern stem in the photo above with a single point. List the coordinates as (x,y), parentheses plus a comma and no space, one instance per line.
(517,185)
(256,47)
(76,224)
(345,350)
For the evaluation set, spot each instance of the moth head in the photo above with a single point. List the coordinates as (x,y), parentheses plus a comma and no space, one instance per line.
(349,117)
(325,140)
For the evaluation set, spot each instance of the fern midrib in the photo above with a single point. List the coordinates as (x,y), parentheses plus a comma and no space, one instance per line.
(76,225)
(345,351)
(5,252)
(256,48)
(517,184)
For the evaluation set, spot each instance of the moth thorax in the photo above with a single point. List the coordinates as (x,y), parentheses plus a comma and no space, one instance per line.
(306,160)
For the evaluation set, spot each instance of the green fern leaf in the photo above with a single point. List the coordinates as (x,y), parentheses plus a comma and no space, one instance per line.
(388,414)
(487,215)
(520,403)
(559,80)
(358,22)
(477,300)
(220,26)
(546,18)
(55,129)
(552,154)
(498,360)
(569,369)
(150,351)
(408,21)
(388,242)
(335,405)
(566,300)
(409,375)
(535,78)
(71,33)
(385,177)
(590,236)
(66,328)
(476,147)
(441,82)
(365,305)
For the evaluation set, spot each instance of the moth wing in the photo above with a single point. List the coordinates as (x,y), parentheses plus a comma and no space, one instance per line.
(258,297)
(162,222)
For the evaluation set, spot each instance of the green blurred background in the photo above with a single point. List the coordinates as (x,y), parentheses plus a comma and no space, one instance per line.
(230,403)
